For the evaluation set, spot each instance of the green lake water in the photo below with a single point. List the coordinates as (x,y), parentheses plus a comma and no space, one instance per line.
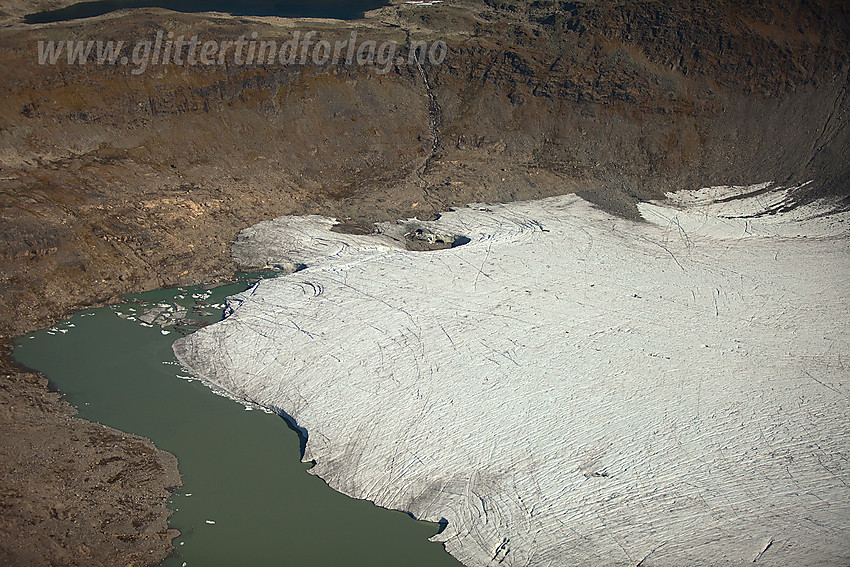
(241,467)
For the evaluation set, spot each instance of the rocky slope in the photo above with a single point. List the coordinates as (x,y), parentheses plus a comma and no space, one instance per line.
(74,492)
(112,182)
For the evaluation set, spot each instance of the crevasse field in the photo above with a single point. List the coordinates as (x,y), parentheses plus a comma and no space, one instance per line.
(568,388)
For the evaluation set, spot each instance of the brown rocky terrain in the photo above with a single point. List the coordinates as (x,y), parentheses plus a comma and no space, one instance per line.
(112,182)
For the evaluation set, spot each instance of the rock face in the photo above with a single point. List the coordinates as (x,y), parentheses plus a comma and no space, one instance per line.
(569,388)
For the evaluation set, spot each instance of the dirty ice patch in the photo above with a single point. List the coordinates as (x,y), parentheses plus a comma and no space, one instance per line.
(568,387)
(744,211)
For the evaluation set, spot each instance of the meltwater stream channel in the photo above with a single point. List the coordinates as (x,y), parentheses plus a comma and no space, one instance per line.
(246,498)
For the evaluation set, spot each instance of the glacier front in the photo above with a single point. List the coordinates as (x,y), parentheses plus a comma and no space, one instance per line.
(568,388)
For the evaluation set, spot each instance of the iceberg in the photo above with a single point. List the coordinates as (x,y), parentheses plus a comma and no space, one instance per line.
(568,387)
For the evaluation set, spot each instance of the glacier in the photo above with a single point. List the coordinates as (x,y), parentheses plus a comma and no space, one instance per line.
(569,387)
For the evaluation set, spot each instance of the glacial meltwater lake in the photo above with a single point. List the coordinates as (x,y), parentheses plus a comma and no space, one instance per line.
(241,467)
(337,9)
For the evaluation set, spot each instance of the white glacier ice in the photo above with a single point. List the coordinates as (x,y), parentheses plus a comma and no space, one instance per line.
(568,388)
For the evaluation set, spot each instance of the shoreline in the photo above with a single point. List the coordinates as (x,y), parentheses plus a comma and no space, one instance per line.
(113,185)
(192,469)
(65,482)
